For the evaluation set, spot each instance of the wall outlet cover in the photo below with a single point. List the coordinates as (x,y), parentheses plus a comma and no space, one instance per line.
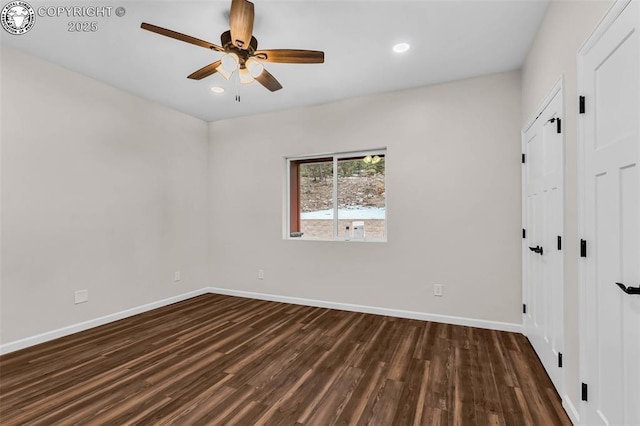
(437,290)
(81,296)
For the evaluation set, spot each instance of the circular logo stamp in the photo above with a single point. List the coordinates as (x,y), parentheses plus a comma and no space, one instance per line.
(17,17)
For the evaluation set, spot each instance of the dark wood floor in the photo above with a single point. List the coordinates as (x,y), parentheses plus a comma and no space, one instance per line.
(225,360)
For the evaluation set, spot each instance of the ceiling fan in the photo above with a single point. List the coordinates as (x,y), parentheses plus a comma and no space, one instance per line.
(240,50)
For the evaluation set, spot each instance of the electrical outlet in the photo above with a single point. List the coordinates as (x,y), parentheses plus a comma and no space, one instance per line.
(261,274)
(176,276)
(81,296)
(437,290)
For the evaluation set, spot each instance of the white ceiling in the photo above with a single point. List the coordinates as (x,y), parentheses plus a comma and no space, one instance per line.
(449,40)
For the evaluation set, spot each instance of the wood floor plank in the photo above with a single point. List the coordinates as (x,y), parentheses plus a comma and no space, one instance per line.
(217,359)
(412,398)
(386,403)
(363,395)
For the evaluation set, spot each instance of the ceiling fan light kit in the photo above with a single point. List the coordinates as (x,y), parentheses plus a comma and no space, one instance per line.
(240,50)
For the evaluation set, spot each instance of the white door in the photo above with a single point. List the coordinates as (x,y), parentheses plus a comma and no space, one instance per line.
(543,218)
(610,219)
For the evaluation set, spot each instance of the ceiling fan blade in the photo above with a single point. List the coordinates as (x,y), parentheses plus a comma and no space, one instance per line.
(291,56)
(179,36)
(241,23)
(267,80)
(205,71)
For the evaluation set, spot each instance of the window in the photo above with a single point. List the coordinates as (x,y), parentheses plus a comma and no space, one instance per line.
(338,197)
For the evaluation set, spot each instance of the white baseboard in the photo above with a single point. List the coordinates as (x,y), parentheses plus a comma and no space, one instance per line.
(65,331)
(491,325)
(570,409)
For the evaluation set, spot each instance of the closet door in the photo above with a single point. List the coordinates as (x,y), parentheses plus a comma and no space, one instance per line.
(610,220)
(543,256)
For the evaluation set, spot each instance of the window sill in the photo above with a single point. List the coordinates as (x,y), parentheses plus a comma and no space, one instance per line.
(338,240)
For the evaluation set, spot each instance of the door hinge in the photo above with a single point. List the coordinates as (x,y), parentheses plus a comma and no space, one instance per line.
(584,392)
(582,101)
(524,308)
(560,359)
(523,159)
(559,242)
(583,248)
(524,233)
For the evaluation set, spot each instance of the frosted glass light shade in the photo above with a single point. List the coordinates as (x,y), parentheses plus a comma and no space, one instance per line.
(255,68)
(228,64)
(245,76)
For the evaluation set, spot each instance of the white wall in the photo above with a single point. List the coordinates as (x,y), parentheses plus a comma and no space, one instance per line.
(566,26)
(453,194)
(101,191)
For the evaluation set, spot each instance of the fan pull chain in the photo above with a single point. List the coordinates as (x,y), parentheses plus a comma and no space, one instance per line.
(237,73)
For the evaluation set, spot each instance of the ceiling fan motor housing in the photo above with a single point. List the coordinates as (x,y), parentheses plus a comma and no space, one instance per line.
(229,47)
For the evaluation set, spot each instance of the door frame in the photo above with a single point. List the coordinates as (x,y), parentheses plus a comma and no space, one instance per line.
(612,14)
(556,90)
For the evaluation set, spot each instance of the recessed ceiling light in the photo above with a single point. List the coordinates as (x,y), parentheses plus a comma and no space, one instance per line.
(401,47)
(217,89)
